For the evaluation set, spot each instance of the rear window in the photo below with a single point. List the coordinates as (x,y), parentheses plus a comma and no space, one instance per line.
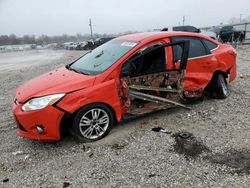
(210,45)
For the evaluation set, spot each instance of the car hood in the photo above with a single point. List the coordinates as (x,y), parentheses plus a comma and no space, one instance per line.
(60,80)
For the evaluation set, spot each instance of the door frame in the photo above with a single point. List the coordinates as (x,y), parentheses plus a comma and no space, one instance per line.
(138,92)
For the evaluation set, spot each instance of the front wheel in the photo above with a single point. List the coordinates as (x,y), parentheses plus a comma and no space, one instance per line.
(92,122)
(221,88)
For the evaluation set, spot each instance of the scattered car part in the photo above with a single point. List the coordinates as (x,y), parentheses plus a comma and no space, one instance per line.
(66,184)
(188,145)
(183,135)
(160,129)
(5,180)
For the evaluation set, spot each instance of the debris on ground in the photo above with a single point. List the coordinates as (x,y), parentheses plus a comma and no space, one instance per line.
(17,153)
(66,184)
(5,180)
(83,147)
(117,146)
(26,157)
(188,145)
(91,155)
(160,129)
(183,135)
(151,175)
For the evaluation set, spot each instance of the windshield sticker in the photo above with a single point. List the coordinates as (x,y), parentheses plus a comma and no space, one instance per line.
(130,44)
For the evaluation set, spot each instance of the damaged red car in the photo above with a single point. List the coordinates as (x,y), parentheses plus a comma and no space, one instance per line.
(133,74)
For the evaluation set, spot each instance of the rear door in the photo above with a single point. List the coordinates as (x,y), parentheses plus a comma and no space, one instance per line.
(200,66)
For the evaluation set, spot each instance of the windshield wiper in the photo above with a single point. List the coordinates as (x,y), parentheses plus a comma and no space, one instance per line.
(68,66)
(78,71)
(81,72)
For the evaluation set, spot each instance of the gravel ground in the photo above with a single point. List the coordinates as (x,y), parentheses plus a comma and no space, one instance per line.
(216,155)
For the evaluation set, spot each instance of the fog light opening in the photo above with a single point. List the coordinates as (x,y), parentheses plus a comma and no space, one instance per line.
(40,129)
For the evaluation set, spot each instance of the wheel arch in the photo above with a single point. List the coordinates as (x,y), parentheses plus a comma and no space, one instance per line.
(211,82)
(103,103)
(67,119)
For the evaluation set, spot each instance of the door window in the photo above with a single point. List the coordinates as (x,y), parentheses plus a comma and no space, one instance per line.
(151,62)
(196,48)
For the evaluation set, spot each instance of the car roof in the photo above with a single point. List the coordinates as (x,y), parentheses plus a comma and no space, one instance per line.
(139,37)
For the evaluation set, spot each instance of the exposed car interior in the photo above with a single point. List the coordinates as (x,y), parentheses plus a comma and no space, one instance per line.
(150,86)
(153,61)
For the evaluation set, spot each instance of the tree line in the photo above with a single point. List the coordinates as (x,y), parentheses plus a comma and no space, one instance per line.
(44,39)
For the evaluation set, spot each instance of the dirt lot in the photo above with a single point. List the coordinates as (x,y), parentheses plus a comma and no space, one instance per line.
(217,155)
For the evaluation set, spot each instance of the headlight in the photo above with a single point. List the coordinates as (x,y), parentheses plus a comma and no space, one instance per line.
(41,102)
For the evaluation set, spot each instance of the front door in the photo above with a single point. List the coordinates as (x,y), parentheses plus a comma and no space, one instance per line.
(147,84)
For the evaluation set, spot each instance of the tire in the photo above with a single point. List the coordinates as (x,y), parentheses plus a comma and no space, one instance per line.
(92,123)
(220,87)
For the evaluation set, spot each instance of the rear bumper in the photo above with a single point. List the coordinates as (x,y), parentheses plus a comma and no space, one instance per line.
(49,118)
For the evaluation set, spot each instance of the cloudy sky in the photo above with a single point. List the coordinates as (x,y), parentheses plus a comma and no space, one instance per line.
(56,17)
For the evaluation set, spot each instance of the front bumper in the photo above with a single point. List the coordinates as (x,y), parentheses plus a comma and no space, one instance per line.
(49,118)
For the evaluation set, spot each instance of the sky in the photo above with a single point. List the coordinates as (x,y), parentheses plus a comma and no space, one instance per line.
(57,17)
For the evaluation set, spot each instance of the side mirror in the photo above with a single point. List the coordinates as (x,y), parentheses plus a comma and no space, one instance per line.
(198,30)
(125,70)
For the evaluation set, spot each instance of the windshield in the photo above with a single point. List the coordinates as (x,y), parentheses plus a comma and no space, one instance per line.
(103,57)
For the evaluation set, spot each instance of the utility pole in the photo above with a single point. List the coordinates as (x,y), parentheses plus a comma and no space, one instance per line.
(183,20)
(91,31)
(241,17)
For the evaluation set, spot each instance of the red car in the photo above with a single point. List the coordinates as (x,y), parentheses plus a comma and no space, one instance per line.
(133,74)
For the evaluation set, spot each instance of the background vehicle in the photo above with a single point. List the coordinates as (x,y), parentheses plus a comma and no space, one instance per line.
(133,74)
(94,44)
(192,29)
(73,46)
(67,44)
(81,45)
(230,34)
(101,41)
(89,45)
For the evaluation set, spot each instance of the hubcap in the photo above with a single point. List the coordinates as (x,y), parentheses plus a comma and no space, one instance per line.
(94,123)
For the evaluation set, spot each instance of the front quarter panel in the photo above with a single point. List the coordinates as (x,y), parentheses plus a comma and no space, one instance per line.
(105,92)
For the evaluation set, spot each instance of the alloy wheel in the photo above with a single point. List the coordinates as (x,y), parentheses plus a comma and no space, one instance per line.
(94,123)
